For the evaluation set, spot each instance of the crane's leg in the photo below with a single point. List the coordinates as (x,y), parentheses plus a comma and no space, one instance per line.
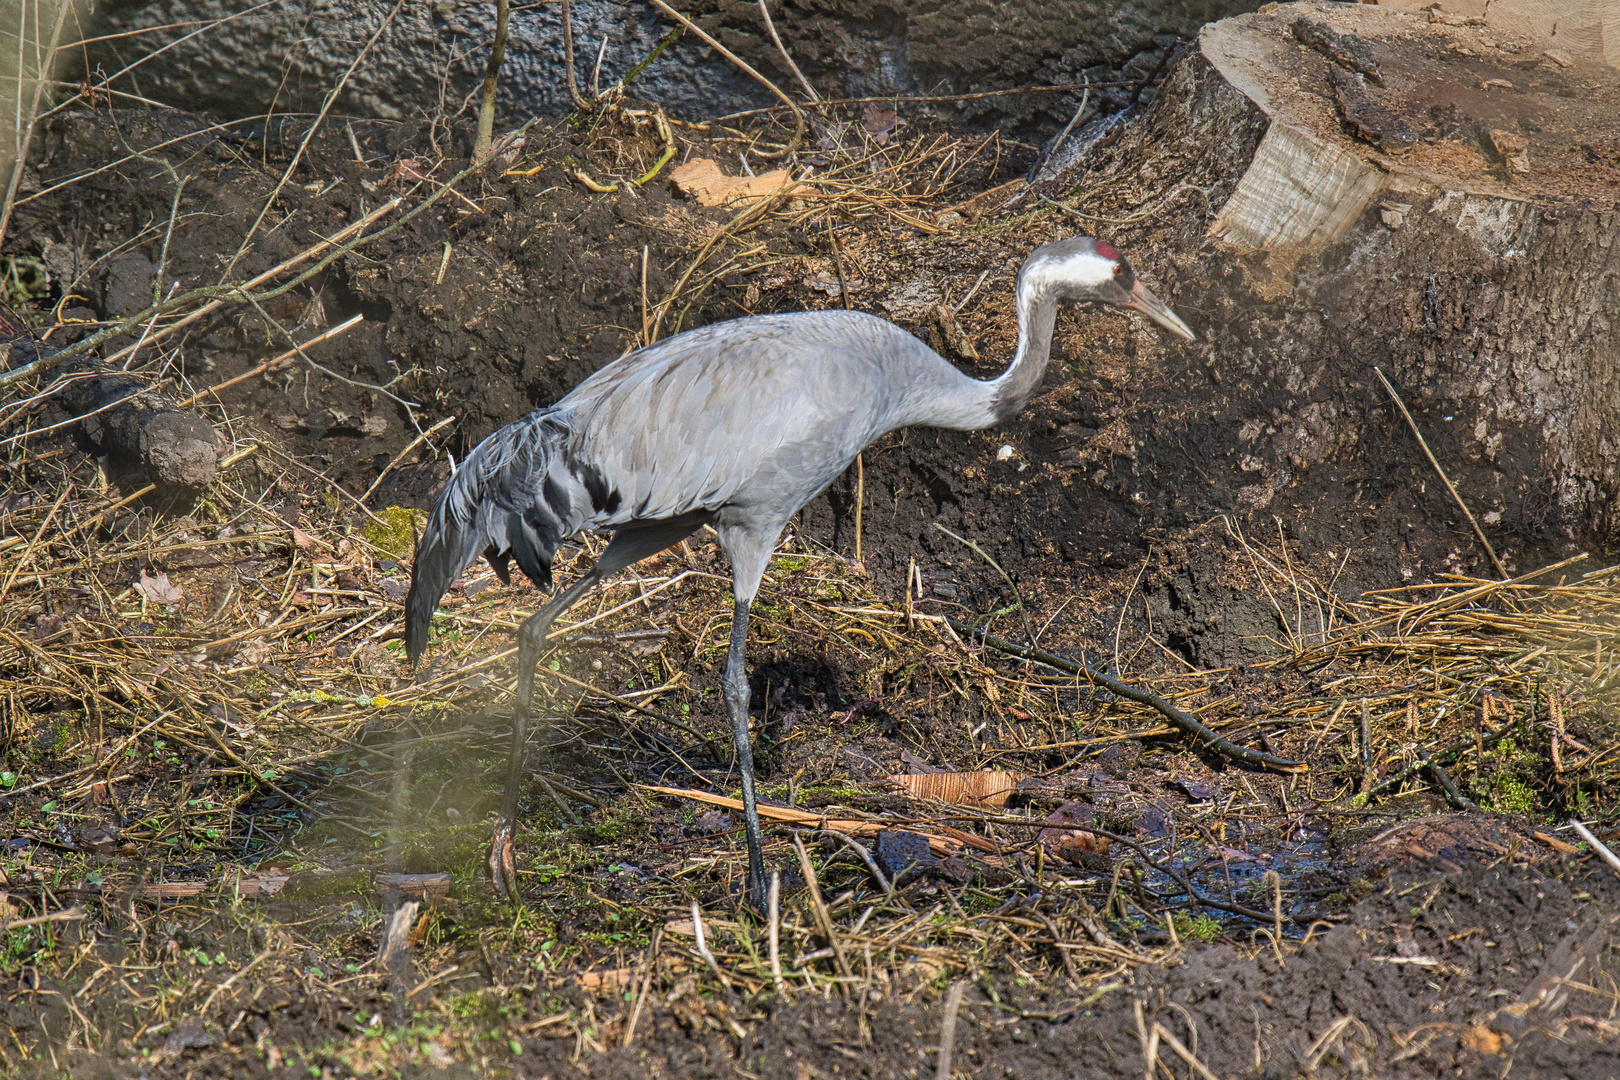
(750,551)
(531,639)
(737,694)
(629,545)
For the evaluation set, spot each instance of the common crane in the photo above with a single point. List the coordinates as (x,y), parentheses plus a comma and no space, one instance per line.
(735,425)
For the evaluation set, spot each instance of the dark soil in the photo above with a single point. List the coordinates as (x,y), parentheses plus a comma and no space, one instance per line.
(1134,447)
(1116,514)
(1487,973)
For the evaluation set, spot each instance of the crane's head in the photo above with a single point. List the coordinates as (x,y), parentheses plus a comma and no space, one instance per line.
(1084,269)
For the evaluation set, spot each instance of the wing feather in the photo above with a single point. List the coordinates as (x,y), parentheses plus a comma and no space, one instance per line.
(514,498)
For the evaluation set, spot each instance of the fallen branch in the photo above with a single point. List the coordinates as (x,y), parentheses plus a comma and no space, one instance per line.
(1177,718)
(937,845)
(276,362)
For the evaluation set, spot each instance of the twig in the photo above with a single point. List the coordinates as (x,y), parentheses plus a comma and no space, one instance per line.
(663,43)
(971,293)
(1501,571)
(1057,144)
(269,365)
(1177,718)
(860,849)
(1456,798)
(399,457)
(773,931)
(492,71)
(1163,1033)
(336,238)
(900,99)
(804,82)
(1124,609)
(1022,609)
(230,982)
(703,946)
(570,77)
(327,480)
(823,919)
(1366,747)
(139,493)
(298,155)
(42,78)
(1445,756)
(410,407)
(798,113)
(947,1029)
(1181,879)
(33,544)
(70,915)
(747,216)
(635,1011)
(1063,954)
(1598,846)
(1273,879)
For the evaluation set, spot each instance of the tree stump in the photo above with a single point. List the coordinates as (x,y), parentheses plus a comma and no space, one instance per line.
(1325,188)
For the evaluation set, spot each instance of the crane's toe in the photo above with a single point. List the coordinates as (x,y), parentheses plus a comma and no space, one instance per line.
(503,861)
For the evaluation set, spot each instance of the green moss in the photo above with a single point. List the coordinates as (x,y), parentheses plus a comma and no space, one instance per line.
(1512,796)
(1197,927)
(449,848)
(395,532)
(615,827)
(1507,779)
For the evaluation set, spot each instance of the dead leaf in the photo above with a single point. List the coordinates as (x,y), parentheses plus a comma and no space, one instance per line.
(880,123)
(919,765)
(1067,834)
(611,979)
(375,424)
(823,282)
(988,787)
(1484,1040)
(701,179)
(302,539)
(1198,791)
(257,651)
(158,590)
(946,336)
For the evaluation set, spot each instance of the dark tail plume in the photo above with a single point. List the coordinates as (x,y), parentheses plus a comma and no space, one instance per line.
(498,504)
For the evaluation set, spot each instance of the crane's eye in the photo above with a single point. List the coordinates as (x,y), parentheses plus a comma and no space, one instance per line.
(1118,269)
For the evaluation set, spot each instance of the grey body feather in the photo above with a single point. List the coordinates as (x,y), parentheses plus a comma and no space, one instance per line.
(737,424)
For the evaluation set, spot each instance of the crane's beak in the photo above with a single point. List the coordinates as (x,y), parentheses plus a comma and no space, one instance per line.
(1144,301)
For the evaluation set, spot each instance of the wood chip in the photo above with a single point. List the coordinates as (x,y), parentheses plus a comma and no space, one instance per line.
(701,179)
(989,787)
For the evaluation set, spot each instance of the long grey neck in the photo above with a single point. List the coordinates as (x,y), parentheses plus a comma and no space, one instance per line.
(970,404)
(1037,315)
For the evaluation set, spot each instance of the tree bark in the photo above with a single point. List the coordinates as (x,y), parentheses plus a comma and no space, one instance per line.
(1330,187)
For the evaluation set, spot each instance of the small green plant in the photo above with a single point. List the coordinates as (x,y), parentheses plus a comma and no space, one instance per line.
(395,532)
(1196,927)
(26,280)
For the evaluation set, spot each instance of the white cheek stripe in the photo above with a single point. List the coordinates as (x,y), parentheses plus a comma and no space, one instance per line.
(1086,270)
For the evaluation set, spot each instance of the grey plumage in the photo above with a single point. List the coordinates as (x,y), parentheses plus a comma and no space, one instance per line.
(735,425)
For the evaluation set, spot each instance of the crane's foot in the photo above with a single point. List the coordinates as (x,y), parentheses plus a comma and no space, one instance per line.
(503,861)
